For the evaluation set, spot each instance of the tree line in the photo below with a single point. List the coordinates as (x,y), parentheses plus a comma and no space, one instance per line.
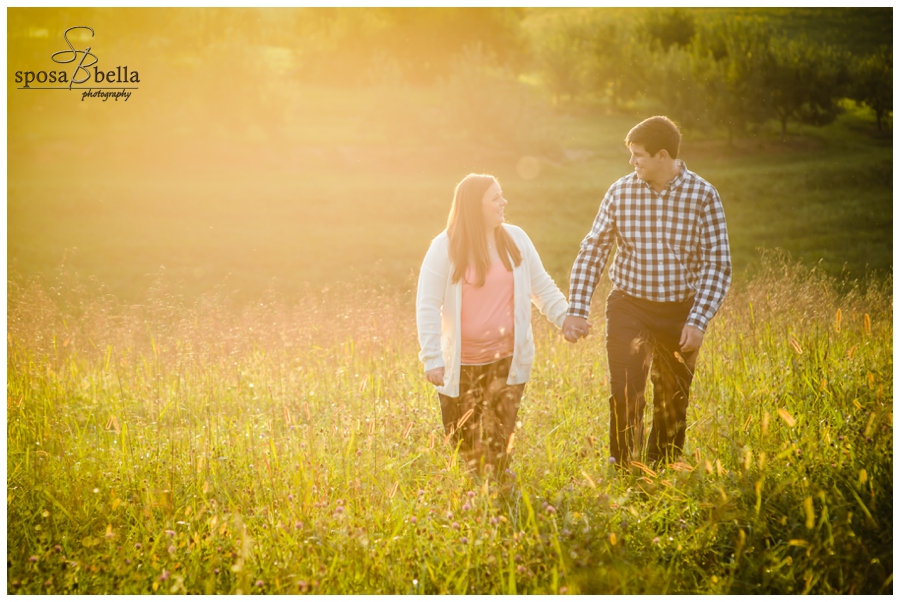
(725,74)
(717,71)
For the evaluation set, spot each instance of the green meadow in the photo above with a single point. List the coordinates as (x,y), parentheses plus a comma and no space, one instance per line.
(292,446)
(255,219)
(212,374)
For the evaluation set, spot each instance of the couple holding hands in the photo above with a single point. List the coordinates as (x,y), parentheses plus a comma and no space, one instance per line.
(670,274)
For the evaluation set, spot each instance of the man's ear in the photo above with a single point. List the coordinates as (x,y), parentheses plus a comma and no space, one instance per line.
(662,154)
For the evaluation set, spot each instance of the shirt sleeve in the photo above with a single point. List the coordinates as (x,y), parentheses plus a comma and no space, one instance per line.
(715,270)
(591,260)
(429,300)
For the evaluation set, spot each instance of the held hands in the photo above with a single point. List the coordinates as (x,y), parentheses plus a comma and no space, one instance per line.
(691,338)
(575,328)
(436,376)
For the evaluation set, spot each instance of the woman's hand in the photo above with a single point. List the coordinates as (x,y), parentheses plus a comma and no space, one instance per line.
(436,376)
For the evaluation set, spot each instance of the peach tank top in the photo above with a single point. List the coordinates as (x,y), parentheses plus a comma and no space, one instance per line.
(486,317)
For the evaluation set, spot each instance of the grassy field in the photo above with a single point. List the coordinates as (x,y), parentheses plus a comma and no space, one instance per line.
(292,446)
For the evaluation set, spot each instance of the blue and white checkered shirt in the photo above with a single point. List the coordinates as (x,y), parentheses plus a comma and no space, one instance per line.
(671,246)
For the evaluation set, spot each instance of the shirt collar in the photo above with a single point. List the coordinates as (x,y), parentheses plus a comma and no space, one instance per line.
(674,182)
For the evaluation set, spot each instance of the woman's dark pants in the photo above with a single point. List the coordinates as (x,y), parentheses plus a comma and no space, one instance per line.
(482,419)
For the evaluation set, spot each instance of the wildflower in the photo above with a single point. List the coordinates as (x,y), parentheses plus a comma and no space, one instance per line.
(260,583)
(57,548)
(171,549)
(290,497)
(520,569)
(449,516)
(170,532)
(464,540)
(137,546)
(471,494)
(455,526)
(465,507)
(303,585)
(415,583)
(298,525)
(494,520)
(33,559)
(421,492)
(563,590)
(164,575)
(412,519)
(550,510)
(656,540)
(339,510)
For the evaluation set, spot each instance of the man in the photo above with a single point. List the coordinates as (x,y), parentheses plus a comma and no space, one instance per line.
(670,273)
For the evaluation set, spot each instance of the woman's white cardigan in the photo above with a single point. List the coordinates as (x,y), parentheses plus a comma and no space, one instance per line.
(438,304)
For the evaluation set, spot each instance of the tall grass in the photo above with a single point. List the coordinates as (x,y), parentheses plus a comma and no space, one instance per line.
(292,446)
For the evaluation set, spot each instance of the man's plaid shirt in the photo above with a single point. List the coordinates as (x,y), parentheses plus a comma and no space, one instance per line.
(671,245)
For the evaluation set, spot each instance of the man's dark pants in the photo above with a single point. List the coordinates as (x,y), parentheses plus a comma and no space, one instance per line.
(643,337)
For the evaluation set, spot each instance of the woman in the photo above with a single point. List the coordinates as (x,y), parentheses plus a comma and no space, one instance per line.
(473,311)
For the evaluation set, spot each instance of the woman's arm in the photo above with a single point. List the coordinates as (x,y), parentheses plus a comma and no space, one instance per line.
(545,295)
(429,300)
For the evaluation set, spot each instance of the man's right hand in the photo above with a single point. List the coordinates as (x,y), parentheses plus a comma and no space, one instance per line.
(436,376)
(575,328)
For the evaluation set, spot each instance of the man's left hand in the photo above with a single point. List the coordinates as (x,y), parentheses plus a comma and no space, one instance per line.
(691,338)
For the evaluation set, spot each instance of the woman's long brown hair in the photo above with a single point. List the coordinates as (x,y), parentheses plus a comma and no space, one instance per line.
(468,235)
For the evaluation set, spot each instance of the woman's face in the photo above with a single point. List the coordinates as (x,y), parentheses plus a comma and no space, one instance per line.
(492,205)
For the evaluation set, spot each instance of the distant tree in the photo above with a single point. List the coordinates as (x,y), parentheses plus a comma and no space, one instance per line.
(803,81)
(873,83)
(688,85)
(339,45)
(670,27)
(485,102)
(425,41)
(619,58)
(741,47)
(559,45)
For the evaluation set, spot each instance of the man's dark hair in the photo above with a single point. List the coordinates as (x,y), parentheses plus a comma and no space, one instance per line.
(655,134)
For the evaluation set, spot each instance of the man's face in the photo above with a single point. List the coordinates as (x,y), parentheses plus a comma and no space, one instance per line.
(648,168)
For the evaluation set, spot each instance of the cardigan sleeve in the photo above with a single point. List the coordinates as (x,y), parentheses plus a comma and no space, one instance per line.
(545,295)
(429,300)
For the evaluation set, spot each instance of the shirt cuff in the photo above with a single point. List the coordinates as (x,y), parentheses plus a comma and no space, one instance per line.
(431,364)
(578,312)
(697,322)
